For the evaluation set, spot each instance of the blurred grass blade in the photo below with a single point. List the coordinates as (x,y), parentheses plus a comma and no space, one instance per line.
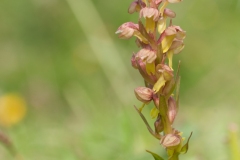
(103,47)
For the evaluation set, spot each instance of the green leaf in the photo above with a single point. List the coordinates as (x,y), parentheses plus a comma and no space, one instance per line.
(147,125)
(185,147)
(155,156)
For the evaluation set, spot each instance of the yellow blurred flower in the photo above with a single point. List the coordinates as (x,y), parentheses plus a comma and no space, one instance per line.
(12,109)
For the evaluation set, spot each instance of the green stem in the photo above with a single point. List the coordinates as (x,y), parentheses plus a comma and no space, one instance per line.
(163,110)
(174,157)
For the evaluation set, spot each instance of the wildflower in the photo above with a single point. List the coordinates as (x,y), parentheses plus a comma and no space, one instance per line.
(149,78)
(165,74)
(12,109)
(136,6)
(162,21)
(151,15)
(176,47)
(158,44)
(169,35)
(148,56)
(129,29)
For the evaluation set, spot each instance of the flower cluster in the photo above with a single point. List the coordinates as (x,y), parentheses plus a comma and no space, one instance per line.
(158,43)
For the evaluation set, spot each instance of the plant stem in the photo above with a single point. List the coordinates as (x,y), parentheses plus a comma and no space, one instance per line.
(163,108)
(174,157)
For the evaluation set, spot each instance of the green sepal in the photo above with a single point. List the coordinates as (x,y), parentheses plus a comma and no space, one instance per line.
(185,147)
(155,156)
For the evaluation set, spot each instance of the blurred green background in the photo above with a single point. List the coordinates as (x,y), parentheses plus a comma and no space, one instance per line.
(75,74)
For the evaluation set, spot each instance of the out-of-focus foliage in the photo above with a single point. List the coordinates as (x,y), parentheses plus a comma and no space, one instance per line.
(79,87)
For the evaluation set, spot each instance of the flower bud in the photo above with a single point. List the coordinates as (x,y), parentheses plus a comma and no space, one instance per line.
(144,94)
(172,109)
(169,13)
(135,6)
(158,125)
(170,141)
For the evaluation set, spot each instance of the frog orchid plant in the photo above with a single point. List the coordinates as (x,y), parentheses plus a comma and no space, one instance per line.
(158,44)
